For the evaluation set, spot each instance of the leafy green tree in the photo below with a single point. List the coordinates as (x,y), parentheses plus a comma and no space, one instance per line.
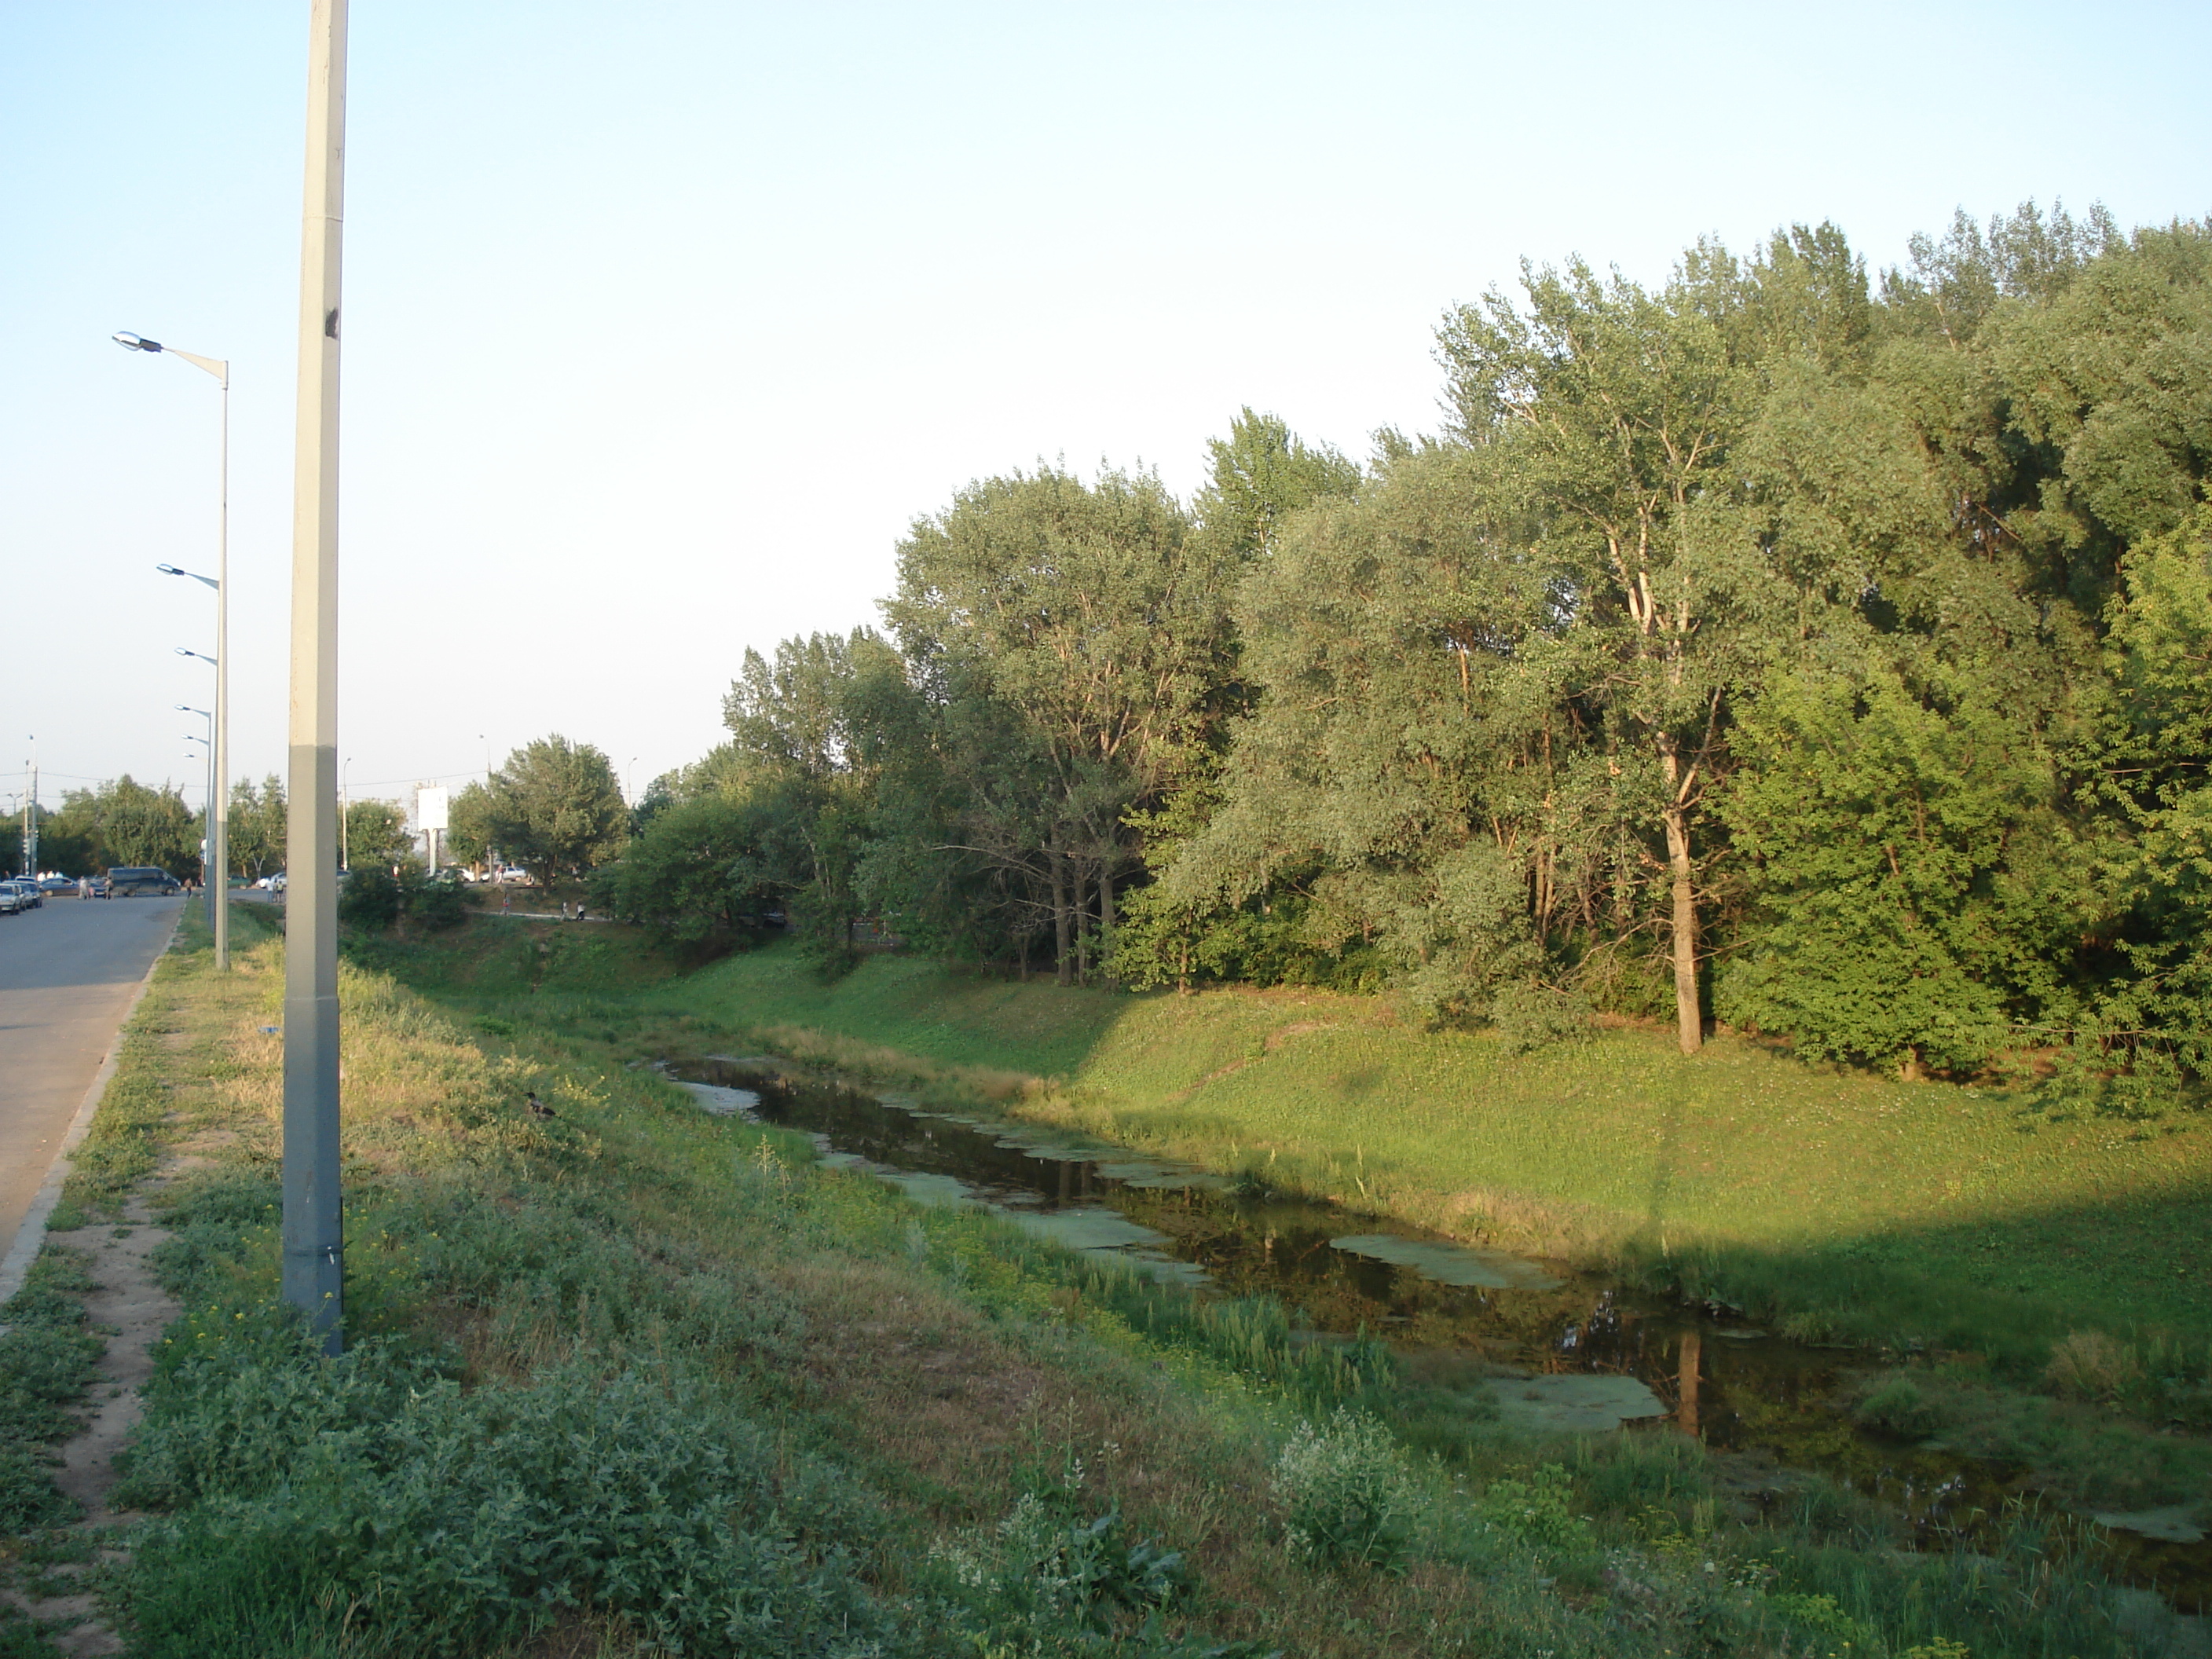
(1919,880)
(376,834)
(554,808)
(1608,416)
(123,821)
(1842,642)
(1260,474)
(257,828)
(701,873)
(800,757)
(2151,755)
(1067,634)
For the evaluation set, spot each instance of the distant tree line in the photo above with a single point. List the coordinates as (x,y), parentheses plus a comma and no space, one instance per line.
(123,821)
(1826,654)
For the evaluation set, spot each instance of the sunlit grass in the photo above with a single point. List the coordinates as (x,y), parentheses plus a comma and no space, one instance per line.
(959,1375)
(1860,1204)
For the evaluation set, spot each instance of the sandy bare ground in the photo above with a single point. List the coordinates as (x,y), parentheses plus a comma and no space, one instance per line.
(131,1309)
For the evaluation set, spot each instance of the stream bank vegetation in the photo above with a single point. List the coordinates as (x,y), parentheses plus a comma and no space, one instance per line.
(626,1378)
(1819,651)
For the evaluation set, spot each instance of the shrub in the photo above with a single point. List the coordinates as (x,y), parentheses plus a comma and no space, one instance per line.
(1528,1016)
(1038,1571)
(1899,1406)
(369,898)
(455,1521)
(1536,1510)
(1823,1616)
(1346,1494)
(2090,1366)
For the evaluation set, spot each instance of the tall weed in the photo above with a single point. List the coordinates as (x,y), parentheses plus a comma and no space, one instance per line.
(1346,1497)
(453,1520)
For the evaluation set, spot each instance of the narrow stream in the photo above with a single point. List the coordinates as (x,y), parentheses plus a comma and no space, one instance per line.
(1556,1349)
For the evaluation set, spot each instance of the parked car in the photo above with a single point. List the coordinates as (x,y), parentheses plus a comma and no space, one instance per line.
(97,887)
(25,892)
(133,880)
(272,883)
(56,884)
(10,900)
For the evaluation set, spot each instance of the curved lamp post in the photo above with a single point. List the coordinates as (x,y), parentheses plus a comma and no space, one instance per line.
(207,847)
(218,805)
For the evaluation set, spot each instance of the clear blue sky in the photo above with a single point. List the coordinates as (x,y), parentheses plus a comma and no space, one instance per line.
(662,321)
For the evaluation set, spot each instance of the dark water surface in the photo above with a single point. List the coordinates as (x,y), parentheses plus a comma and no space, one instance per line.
(1558,1349)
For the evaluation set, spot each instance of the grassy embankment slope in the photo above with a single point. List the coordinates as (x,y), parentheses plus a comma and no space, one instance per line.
(1844,1204)
(626,1375)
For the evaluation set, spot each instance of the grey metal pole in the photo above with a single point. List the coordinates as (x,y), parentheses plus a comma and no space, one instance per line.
(217,850)
(219,798)
(207,843)
(314,1272)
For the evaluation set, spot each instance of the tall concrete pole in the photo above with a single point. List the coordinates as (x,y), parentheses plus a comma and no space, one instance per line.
(219,798)
(314,1272)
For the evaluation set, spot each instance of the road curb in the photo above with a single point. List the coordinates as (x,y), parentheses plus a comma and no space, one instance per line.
(30,1237)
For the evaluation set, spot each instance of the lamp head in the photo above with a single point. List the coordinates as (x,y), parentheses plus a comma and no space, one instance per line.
(170,570)
(130,341)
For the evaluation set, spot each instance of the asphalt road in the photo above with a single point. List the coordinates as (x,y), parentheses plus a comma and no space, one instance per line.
(68,971)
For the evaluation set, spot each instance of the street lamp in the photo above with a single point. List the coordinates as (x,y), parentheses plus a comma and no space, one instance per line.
(218,807)
(207,846)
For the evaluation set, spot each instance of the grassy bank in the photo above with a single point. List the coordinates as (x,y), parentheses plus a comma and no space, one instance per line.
(1843,1204)
(626,1376)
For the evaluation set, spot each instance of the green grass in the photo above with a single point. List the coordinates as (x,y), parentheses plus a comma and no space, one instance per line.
(1855,1204)
(631,1372)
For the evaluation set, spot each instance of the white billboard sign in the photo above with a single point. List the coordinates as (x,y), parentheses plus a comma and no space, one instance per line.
(430,810)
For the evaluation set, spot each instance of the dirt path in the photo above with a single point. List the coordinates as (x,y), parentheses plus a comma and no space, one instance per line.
(131,1308)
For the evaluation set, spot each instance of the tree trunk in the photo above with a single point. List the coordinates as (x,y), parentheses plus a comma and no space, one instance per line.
(1105,915)
(1689,1018)
(1060,959)
(1082,925)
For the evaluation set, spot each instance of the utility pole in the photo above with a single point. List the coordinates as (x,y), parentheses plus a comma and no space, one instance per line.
(219,752)
(313,1269)
(31,817)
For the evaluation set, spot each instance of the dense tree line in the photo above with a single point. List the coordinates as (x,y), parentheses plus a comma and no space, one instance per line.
(1829,655)
(121,821)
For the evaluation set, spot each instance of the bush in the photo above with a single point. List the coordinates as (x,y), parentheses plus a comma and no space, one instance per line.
(2090,1366)
(1346,1494)
(1897,1406)
(1537,1511)
(456,1521)
(374,898)
(369,898)
(1038,1572)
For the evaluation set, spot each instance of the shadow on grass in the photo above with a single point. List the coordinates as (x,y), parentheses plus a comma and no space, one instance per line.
(2004,1282)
